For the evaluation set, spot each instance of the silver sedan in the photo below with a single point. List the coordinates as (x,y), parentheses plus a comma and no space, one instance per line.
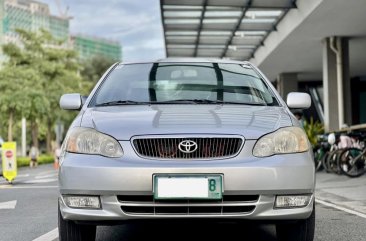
(185,139)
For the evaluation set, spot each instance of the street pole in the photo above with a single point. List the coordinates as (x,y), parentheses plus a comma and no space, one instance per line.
(59,130)
(24,137)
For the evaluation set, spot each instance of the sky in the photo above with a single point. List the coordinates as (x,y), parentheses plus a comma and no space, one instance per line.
(136,24)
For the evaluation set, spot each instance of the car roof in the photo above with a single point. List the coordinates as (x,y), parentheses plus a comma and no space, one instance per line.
(191,60)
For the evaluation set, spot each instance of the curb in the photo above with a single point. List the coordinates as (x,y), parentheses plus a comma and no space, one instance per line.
(341,208)
(340,202)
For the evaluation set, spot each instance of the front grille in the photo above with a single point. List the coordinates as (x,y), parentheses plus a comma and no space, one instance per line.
(225,198)
(191,210)
(200,148)
(229,205)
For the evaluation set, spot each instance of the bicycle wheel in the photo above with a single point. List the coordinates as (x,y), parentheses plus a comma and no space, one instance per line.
(335,167)
(348,165)
(318,156)
(331,161)
(325,162)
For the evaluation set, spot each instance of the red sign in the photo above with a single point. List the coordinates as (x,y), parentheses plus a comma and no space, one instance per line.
(9,154)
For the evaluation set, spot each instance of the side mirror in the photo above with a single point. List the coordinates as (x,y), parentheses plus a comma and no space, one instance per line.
(298,100)
(71,102)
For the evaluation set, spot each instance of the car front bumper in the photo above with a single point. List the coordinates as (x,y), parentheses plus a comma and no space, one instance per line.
(243,176)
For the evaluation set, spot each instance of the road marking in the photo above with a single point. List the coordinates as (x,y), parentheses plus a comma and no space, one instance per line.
(23,175)
(8,205)
(362,215)
(46,172)
(3,186)
(41,180)
(17,178)
(24,187)
(51,235)
(46,176)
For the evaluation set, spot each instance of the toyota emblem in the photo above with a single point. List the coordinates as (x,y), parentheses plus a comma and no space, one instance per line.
(187,146)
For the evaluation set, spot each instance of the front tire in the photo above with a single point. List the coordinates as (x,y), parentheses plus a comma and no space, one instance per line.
(302,230)
(70,231)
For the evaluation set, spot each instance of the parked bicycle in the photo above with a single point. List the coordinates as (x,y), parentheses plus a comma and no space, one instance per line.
(320,151)
(329,161)
(352,160)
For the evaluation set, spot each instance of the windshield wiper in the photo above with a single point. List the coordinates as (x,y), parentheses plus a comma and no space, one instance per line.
(241,103)
(187,101)
(122,102)
(181,101)
(205,101)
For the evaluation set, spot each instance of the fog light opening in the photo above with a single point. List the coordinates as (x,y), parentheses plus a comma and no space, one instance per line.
(91,202)
(292,201)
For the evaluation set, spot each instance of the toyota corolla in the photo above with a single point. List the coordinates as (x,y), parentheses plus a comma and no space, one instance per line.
(185,139)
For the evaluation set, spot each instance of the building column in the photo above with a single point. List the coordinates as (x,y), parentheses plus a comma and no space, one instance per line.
(336,84)
(286,83)
(347,94)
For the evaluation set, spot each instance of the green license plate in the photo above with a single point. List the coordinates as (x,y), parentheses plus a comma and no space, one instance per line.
(173,186)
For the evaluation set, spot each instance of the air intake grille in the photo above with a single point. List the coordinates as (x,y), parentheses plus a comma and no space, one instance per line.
(188,148)
(229,205)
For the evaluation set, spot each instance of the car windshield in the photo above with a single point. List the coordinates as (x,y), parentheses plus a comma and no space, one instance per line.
(166,83)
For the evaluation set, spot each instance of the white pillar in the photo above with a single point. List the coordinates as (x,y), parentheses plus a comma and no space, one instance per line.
(24,137)
(336,83)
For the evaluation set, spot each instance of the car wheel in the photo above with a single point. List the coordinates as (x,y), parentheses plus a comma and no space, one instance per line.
(302,230)
(70,231)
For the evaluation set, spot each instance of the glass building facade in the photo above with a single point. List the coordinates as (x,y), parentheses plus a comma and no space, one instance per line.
(32,16)
(89,46)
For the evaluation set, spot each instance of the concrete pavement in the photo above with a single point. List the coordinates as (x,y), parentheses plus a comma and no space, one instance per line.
(341,190)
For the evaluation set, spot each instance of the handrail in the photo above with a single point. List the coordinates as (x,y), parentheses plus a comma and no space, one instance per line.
(354,127)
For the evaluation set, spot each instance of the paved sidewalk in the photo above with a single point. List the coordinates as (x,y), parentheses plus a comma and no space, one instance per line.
(342,190)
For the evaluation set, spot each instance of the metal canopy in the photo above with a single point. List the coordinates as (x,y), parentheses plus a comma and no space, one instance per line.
(219,28)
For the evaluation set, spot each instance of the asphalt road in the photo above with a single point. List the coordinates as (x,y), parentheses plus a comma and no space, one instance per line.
(28,211)
(35,212)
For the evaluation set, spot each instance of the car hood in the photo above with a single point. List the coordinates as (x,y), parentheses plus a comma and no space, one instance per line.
(124,122)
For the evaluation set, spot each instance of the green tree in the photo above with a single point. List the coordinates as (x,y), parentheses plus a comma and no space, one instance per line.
(95,67)
(61,72)
(34,77)
(313,129)
(16,85)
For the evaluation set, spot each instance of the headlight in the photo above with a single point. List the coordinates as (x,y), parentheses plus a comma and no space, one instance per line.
(282,141)
(89,141)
